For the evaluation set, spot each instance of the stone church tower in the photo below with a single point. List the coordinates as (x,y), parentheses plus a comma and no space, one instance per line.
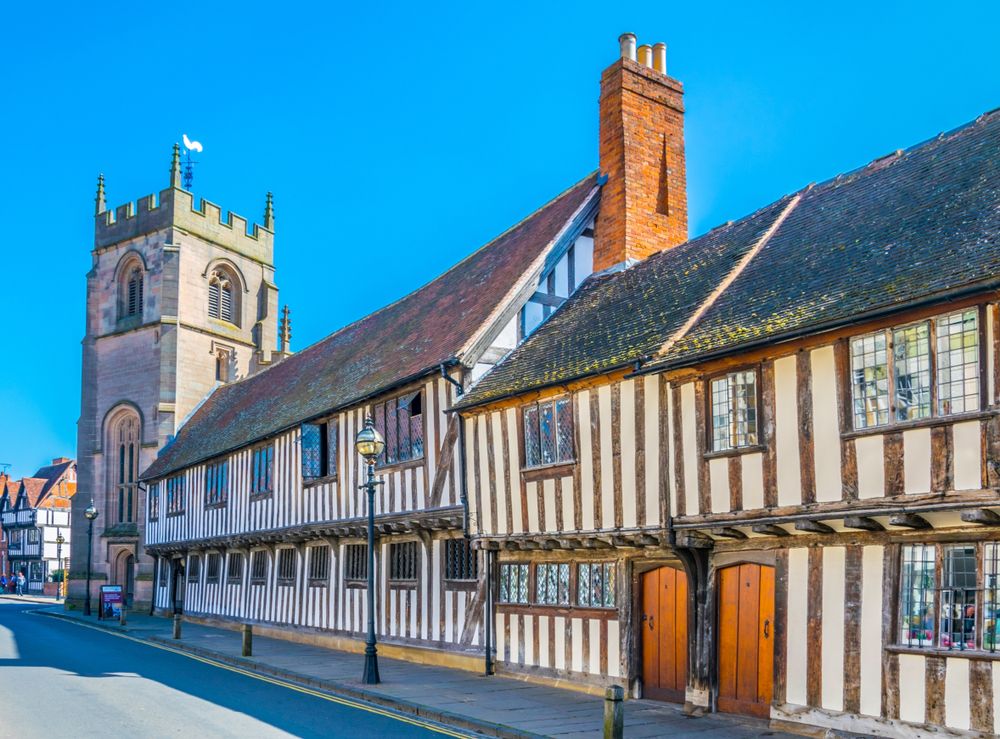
(178,300)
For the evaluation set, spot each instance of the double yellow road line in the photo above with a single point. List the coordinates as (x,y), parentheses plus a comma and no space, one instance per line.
(436,728)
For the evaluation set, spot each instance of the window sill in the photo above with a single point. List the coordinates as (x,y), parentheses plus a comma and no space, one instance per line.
(560,610)
(398,466)
(285,583)
(211,581)
(215,506)
(923,423)
(258,582)
(942,652)
(403,584)
(173,514)
(313,482)
(460,584)
(314,583)
(737,452)
(548,471)
(356,584)
(260,496)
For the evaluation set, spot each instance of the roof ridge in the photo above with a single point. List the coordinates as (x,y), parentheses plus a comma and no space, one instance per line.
(728,280)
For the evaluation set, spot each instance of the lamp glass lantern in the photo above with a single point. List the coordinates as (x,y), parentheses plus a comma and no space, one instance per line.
(369,442)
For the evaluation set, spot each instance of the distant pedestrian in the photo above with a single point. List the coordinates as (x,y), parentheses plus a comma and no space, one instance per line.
(21,582)
(3,583)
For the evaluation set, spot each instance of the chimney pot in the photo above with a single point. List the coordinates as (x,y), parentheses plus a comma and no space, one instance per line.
(660,57)
(627,43)
(646,55)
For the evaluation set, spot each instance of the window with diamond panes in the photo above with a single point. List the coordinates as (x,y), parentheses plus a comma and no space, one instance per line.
(596,584)
(734,410)
(957,362)
(315,455)
(216,483)
(514,583)
(917,590)
(262,470)
(400,421)
(355,562)
(933,373)
(154,501)
(234,568)
(319,564)
(548,432)
(460,560)
(403,561)
(552,584)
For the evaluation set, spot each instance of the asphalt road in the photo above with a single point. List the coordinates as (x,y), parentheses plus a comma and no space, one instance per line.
(59,679)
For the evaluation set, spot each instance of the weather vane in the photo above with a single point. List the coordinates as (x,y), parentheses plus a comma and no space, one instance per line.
(189,163)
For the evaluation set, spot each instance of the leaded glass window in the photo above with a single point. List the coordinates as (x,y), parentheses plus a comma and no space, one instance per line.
(262,470)
(319,564)
(596,584)
(258,567)
(460,560)
(991,595)
(175,494)
(315,452)
(216,483)
(917,595)
(958,362)
(514,583)
(870,380)
(958,597)
(552,584)
(734,410)
(234,568)
(355,562)
(154,501)
(548,432)
(911,352)
(400,421)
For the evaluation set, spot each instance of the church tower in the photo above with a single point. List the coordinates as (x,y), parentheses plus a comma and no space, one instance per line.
(178,300)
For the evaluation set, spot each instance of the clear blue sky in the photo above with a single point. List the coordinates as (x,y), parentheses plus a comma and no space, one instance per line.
(397,137)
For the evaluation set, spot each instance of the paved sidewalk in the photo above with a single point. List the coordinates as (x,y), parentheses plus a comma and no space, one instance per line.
(495,706)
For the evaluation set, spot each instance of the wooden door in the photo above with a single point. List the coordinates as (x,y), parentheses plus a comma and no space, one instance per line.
(746,639)
(663,630)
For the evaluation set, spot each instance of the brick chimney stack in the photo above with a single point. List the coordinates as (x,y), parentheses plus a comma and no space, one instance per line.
(644,200)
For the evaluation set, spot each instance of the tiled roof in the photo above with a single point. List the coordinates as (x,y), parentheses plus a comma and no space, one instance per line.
(906,228)
(33,487)
(402,341)
(52,473)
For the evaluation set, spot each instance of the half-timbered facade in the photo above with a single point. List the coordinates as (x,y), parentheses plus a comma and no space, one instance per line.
(254,511)
(758,472)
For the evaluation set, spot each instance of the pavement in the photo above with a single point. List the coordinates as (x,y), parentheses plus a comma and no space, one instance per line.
(493,706)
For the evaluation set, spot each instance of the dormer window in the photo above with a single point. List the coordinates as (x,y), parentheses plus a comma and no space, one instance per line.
(220,296)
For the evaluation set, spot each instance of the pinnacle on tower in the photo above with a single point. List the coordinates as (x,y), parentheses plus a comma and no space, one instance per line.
(285,330)
(175,168)
(100,205)
(269,215)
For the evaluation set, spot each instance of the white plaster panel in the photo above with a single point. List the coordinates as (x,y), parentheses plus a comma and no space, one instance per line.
(912,693)
(753,481)
(798,589)
(531,489)
(529,640)
(567,501)
(787,432)
(485,515)
(560,643)
(614,649)
(549,491)
(651,420)
(871,466)
(671,459)
(515,639)
(689,434)
(917,461)
(515,471)
(967,441)
(626,424)
(498,462)
(543,641)
(826,425)
(577,645)
(990,354)
(607,458)
(586,461)
(833,628)
(957,711)
(718,474)
(871,630)
(595,646)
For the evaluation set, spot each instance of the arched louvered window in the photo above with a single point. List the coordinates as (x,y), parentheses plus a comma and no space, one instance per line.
(220,296)
(130,299)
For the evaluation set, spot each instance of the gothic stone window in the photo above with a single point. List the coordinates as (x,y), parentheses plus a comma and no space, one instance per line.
(125,445)
(130,292)
(548,432)
(950,596)
(926,369)
(319,450)
(734,410)
(400,421)
(221,296)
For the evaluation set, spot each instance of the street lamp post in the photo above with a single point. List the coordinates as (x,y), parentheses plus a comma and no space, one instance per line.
(370,444)
(91,514)
(60,540)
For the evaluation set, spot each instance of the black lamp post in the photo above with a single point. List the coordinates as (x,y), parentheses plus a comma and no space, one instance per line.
(60,540)
(91,514)
(370,444)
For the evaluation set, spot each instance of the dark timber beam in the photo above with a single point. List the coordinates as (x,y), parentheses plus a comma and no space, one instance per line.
(909,520)
(769,529)
(731,533)
(863,523)
(813,527)
(982,516)
(695,540)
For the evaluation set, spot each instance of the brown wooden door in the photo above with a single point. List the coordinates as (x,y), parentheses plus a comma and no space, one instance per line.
(663,629)
(746,639)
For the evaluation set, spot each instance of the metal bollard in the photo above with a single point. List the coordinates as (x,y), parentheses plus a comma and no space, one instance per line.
(177,626)
(614,712)
(121,615)
(247,640)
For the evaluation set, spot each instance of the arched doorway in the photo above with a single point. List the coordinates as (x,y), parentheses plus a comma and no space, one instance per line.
(124,575)
(177,586)
(664,634)
(746,639)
